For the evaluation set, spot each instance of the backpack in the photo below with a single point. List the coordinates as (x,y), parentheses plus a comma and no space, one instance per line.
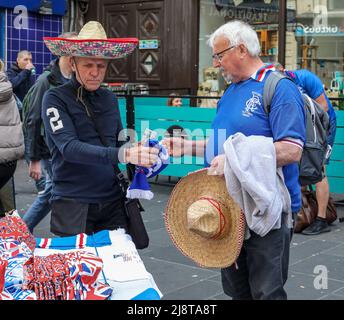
(26,106)
(315,151)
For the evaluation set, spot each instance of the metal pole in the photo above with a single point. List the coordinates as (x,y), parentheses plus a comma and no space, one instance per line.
(130,115)
(282,18)
(130,110)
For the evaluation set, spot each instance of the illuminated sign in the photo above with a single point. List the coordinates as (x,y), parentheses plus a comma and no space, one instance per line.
(333,30)
(148,44)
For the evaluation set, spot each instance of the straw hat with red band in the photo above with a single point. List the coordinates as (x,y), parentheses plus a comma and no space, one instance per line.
(204,222)
(92,42)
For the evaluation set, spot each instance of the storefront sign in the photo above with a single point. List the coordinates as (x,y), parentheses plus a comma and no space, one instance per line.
(320,26)
(252,15)
(333,30)
(148,44)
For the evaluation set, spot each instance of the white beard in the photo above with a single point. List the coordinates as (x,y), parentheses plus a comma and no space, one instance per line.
(226,76)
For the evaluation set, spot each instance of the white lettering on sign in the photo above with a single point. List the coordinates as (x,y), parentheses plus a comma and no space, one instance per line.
(320,20)
(312,29)
(55,121)
(321,280)
(21,21)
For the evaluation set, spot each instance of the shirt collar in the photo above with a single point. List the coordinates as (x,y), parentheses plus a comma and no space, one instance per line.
(260,74)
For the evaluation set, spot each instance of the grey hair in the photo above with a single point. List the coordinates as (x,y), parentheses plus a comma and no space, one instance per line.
(238,32)
(23,53)
(2,66)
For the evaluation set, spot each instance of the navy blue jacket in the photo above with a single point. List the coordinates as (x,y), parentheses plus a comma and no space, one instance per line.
(22,80)
(82,166)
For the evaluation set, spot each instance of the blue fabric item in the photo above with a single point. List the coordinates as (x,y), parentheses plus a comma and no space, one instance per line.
(241,110)
(139,188)
(149,294)
(99,239)
(310,84)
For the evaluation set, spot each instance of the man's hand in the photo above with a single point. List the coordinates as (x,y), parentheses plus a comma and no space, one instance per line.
(35,170)
(142,156)
(175,146)
(217,166)
(29,66)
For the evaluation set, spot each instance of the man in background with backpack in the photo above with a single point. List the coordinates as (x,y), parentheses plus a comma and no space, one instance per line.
(310,84)
(58,72)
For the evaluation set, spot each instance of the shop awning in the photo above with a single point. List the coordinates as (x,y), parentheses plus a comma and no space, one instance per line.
(57,7)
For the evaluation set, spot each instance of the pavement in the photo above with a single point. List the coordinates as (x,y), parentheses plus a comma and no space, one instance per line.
(316,262)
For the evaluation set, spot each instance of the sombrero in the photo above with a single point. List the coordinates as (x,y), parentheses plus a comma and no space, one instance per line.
(204,222)
(92,42)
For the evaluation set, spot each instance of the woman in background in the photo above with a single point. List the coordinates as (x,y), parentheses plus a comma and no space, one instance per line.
(174,100)
(11,134)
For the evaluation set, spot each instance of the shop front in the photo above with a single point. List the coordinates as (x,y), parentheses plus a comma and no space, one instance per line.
(312,36)
(297,33)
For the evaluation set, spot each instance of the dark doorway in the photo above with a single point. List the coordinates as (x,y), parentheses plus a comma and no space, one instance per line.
(174,24)
(143,20)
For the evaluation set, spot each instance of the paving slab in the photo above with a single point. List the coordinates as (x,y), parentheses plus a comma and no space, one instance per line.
(201,290)
(172,276)
(309,248)
(171,254)
(334,265)
(303,286)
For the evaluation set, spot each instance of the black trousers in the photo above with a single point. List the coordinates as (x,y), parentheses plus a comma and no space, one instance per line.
(261,269)
(70,217)
(6,172)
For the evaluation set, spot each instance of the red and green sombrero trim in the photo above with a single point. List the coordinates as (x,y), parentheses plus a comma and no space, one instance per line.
(106,49)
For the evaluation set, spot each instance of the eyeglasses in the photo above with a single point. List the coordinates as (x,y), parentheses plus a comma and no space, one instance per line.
(219,56)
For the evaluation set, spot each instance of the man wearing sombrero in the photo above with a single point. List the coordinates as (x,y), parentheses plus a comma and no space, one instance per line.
(203,220)
(83,133)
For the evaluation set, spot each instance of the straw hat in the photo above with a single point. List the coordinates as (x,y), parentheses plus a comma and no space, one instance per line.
(92,42)
(204,222)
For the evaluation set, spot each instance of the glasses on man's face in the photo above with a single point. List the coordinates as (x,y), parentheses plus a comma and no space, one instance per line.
(219,56)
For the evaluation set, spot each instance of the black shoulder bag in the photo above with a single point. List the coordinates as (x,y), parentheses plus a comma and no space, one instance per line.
(133,207)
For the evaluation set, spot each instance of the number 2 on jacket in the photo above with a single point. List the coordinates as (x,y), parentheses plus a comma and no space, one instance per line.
(55,123)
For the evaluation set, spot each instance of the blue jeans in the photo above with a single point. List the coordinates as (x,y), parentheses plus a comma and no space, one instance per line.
(41,206)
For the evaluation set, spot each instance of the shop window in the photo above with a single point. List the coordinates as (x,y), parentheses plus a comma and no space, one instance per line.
(261,14)
(319,33)
(335,5)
